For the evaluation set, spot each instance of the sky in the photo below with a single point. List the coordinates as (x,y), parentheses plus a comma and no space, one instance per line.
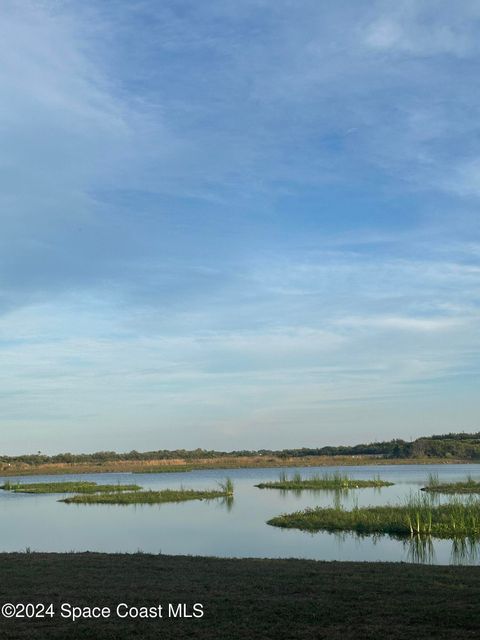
(238,224)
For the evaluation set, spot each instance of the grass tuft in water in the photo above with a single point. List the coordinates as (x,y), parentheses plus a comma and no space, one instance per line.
(418,516)
(227,487)
(147,497)
(68,487)
(331,481)
(469,485)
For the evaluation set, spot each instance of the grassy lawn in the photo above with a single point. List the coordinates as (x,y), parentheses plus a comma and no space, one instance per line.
(243,599)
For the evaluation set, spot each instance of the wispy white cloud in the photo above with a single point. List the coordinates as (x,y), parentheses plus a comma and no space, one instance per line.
(424,29)
(403,323)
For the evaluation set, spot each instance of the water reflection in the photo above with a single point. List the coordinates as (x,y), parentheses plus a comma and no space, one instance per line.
(465,551)
(420,550)
(337,498)
(227,502)
(337,493)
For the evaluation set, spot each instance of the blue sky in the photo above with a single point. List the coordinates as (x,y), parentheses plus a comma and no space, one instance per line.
(237,224)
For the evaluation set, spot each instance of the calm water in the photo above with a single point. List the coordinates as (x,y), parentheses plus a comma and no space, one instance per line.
(238,529)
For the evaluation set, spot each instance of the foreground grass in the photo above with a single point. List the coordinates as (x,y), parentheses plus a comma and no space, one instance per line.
(148,497)
(466,486)
(68,487)
(416,516)
(243,599)
(334,481)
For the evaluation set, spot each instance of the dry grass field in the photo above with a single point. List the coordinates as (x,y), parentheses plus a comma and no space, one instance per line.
(175,465)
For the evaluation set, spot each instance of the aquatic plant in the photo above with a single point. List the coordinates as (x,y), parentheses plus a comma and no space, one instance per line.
(67,487)
(226,487)
(469,485)
(332,481)
(417,516)
(146,497)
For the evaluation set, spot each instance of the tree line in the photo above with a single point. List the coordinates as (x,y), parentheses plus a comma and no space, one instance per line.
(452,445)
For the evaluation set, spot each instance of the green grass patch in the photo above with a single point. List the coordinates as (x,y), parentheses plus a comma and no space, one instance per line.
(329,481)
(149,497)
(465,486)
(68,487)
(417,516)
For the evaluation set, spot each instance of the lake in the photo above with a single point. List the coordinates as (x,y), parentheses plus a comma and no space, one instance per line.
(217,528)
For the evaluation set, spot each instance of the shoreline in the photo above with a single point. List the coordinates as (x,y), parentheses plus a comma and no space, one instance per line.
(243,599)
(183,466)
